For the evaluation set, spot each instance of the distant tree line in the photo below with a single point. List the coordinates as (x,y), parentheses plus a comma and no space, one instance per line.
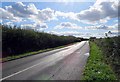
(17,41)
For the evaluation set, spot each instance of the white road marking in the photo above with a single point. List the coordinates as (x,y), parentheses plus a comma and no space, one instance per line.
(87,54)
(28,68)
(19,72)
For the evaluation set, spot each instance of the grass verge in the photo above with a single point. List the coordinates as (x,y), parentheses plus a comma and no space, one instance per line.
(9,58)
(96,68)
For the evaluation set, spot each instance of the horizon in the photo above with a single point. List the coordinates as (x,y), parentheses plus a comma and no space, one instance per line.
(79,19)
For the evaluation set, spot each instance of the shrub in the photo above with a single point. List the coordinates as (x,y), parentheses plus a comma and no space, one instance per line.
(17,41)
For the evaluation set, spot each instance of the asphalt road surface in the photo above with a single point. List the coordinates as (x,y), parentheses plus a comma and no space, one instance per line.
(60,64)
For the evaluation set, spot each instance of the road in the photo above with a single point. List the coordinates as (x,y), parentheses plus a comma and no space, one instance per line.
(60,64)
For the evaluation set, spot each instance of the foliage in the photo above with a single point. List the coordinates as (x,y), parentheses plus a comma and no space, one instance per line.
(17,41)
(96,68)
(111,49)
(8,58)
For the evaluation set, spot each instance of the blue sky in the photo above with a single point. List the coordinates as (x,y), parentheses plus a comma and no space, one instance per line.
(81,19)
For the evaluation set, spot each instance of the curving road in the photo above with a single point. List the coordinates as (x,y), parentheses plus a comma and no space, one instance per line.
(60,64)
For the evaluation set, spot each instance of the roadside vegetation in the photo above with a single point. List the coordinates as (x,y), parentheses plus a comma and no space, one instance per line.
(111,49)
(8,58)
(17,41)
(104,60)
(96,67)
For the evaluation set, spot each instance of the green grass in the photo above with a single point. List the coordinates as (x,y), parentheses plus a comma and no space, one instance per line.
(96,68)
(24,55)
(29,54)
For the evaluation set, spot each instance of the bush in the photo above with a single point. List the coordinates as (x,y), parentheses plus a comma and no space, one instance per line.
(96,68)
(17,41)
(111,50)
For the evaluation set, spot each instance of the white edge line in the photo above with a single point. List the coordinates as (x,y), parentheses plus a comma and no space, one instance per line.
(19,72)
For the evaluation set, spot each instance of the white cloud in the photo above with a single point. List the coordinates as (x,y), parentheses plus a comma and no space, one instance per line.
(41,26)
(44,15)
(71,33)
(88,34)
(35,26)
(101,11)
(90,27)
(78,34)
(28,26)
(91,15)
(67,25)
(115,32)
(70,15)
(0,20)
(116,21)
(9,23)
(95,27)
(7,15)
(105,27)
(113,27)
(66,33)
(112,33)
(20,10)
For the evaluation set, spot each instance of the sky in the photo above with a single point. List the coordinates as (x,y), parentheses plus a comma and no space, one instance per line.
(65,17)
